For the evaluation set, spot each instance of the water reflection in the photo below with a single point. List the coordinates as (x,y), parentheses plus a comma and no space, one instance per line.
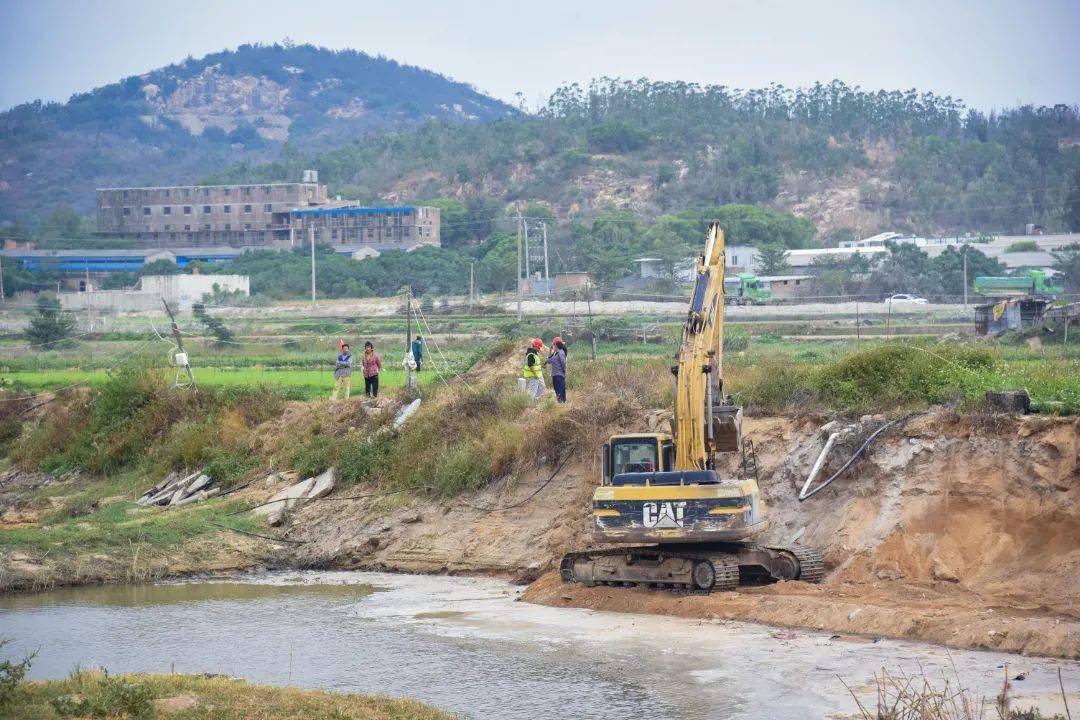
(174,593)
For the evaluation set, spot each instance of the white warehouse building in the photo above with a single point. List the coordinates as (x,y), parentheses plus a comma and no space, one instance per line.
(180,291)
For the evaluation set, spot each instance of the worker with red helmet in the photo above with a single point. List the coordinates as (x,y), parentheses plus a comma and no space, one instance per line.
(533,372)
(557,361)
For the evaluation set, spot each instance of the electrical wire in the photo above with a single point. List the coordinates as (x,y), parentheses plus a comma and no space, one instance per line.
(524,500)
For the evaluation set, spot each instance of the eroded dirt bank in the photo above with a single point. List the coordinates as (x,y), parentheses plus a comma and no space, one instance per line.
(958,530)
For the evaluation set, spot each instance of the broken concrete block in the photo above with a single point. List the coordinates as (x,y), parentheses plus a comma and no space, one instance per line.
(1010,401)
(406,412)
(322,485)
(194,497)
(286,498)
(161,497)
(197,484)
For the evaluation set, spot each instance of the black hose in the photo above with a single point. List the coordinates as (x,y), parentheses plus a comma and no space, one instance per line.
(257,535)
(851,459)
(527,498)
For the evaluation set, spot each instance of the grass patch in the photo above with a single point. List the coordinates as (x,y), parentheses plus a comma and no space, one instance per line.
(98,694)
(891,375)
(112,526)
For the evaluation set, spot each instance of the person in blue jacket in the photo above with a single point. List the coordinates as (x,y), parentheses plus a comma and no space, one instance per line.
(557,361)
(418,351)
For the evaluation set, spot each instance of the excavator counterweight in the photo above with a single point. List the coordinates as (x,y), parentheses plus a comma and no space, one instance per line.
(666,515)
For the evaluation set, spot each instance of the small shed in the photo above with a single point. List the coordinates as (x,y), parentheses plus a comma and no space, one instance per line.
(996,318)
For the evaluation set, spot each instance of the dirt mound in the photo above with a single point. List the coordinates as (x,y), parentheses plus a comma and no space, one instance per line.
(956,530)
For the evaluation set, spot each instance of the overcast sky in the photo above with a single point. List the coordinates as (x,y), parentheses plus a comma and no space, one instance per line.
(990,53)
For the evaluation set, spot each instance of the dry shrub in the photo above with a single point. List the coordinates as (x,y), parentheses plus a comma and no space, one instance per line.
(900,696)
(43,442)
(504,442)
(258,407)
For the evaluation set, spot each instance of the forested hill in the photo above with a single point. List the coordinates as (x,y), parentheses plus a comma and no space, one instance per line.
(848,160)
(178,123)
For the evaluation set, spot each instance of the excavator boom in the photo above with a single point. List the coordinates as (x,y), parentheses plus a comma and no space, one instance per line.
(703,425)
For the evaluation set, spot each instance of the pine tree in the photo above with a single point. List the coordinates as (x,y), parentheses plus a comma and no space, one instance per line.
(773,260)
(214,325)
(50,325)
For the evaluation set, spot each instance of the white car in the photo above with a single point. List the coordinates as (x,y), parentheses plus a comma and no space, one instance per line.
(902,298)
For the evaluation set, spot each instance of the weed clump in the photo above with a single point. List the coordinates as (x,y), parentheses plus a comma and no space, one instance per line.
(895,375)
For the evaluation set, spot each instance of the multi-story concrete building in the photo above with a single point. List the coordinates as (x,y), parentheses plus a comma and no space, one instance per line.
(234,215)
(354,227)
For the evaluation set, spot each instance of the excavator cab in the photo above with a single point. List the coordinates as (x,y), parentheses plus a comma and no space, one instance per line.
(635,454)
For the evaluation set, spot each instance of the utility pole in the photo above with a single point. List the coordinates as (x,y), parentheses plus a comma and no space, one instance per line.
(471,285)
(181,356)
(311,236)
(592,334)
(410,381)
(965,277)
(858,322)
(520,240)
(86,298)
(547,277)
(3,297)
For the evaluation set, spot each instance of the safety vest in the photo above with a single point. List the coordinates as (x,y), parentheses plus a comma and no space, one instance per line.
(535,371)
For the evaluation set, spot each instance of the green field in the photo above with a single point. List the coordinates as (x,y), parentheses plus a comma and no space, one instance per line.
(295,355)
(297,384)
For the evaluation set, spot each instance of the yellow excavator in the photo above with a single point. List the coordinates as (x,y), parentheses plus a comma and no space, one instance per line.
(673,520)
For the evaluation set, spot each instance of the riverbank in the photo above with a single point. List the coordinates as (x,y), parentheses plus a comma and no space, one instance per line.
(98,694)
(959,526)
(953,530)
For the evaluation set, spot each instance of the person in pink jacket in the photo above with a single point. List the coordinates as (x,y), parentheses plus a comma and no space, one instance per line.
(372,365)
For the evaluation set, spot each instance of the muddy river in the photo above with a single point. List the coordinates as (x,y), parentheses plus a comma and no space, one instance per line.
(467,645)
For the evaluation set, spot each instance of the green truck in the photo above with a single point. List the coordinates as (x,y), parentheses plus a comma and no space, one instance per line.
(1034,282)
(746,289)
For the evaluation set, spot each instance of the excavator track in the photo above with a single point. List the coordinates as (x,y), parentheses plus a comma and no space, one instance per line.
(811,565)
(709,568)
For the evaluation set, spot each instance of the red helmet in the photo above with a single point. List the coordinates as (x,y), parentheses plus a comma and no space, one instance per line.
(537,343)
(556,340)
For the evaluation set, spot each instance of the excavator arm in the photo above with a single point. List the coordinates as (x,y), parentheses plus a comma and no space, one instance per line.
(704,422)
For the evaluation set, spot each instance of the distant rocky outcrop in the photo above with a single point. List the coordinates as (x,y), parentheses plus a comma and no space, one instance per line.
(179,123)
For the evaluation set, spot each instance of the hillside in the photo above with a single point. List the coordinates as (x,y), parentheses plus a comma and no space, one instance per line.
(180,122)
(846,159)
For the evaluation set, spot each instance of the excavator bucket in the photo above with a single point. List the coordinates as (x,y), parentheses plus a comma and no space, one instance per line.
(727,428)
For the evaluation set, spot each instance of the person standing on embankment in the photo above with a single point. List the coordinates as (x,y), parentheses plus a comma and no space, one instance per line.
(534,369)
(372,365)
(418,351)
(343,373)
(557,361)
